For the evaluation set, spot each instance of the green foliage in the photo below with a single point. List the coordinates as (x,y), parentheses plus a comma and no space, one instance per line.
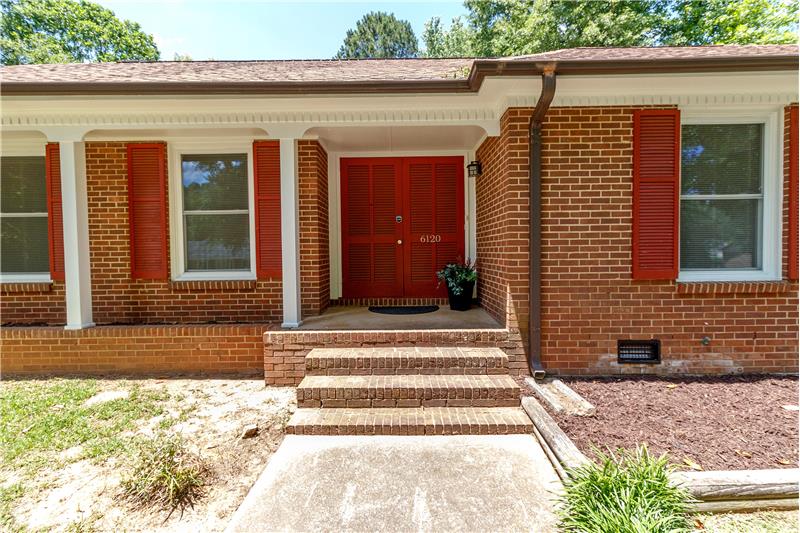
(379,35)
(699,22)
(455,275)
(165,474)
(457,41)
(514,27)
(631,493)
(66,31)
(39,419)
(8,495)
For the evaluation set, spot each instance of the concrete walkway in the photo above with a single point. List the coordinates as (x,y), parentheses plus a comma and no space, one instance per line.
(403,483)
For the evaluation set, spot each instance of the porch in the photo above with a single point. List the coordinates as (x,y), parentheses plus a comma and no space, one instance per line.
(344,318)
(301,301)
(265,265)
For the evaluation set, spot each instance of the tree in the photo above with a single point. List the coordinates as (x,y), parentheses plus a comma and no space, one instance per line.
(379,35)
(454,42)
(67,31)
(697,22)
(512,27)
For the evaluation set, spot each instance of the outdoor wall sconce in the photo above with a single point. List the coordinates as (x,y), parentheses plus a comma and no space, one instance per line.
(474,169)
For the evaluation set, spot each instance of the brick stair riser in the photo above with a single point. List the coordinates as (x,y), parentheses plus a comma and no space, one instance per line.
(410,429)
(405,371)
(407,397)
(399,364)
(410,402)
(430,421)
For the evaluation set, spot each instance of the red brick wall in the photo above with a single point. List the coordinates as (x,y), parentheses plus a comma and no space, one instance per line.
(133,349)
(116,298)
(589,299)
(502,222)
(33,303)
(312,169)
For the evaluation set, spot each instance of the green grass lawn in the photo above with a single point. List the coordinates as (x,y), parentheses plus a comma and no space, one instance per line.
(40,419)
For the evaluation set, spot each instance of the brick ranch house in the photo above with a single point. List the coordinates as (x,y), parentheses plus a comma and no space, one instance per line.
(205,216)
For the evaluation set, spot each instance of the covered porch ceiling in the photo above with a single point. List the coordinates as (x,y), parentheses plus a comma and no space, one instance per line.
(398,138)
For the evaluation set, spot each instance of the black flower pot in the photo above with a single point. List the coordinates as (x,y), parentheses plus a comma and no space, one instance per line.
(463,301)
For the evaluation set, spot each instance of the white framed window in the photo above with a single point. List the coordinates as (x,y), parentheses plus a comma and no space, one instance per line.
(212,216)
(24,238)
(730,197)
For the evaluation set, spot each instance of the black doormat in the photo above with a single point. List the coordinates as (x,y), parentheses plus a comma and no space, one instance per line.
(404,309)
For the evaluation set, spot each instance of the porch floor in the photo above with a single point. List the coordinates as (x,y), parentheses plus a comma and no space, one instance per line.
(340,318)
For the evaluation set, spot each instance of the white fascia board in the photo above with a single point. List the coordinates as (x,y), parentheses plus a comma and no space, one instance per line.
(673,89)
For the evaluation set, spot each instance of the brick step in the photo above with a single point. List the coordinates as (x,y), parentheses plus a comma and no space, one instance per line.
(413,421)
(408,391)
(411,360)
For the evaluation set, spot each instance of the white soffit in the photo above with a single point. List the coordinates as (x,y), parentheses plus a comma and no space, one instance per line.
(398,138)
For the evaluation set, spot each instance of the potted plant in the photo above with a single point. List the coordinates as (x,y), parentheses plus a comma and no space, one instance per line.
(460,279)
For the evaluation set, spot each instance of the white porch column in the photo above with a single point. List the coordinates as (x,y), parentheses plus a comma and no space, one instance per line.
(290,234)
(76,235)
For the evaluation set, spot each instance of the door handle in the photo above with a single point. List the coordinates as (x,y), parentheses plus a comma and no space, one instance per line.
(399,241)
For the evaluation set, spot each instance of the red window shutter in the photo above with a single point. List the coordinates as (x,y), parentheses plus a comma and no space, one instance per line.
(267,170)
(656,189)
(55,218)
(147,211)
(794,191)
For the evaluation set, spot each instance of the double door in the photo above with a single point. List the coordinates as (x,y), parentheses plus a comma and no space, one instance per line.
(402,220)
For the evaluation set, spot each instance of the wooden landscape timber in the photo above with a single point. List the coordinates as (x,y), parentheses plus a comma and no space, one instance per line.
(742,490)
(560,444)
(559,397)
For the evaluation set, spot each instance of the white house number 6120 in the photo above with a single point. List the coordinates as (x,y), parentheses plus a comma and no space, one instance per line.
(430,238)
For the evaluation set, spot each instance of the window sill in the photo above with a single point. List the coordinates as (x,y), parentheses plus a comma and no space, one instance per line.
(212,284)
(733,287)
(25,286)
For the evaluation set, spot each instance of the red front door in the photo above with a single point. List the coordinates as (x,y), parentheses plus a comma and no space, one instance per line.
(402,220)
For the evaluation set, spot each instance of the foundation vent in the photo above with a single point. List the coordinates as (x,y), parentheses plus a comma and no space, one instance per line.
(633,351)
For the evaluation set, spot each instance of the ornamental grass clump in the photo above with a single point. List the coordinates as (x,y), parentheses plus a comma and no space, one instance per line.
(164,474)
(629,493)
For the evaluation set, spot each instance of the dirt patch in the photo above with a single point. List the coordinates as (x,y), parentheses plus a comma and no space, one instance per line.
(716,423)
(210,415)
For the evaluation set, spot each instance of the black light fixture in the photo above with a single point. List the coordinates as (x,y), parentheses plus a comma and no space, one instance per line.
(474,169)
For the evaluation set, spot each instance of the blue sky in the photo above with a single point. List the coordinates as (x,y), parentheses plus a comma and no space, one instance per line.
(262,29)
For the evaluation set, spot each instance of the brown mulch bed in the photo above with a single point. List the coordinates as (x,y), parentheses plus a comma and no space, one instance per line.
(718,423)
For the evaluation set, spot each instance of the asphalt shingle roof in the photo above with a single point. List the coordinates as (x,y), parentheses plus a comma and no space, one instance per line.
(665,53)
(366,71)
(306,70)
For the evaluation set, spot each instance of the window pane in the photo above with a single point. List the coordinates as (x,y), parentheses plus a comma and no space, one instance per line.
(721,158)
(720,234)
(23,185)
(23,245)
(214,182)
(217,242)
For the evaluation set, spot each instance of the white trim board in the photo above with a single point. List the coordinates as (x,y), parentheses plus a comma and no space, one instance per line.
(772,175)
(175,197)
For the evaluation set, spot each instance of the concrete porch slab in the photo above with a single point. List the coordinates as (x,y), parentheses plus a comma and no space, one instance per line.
(403,483)
(342,318)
